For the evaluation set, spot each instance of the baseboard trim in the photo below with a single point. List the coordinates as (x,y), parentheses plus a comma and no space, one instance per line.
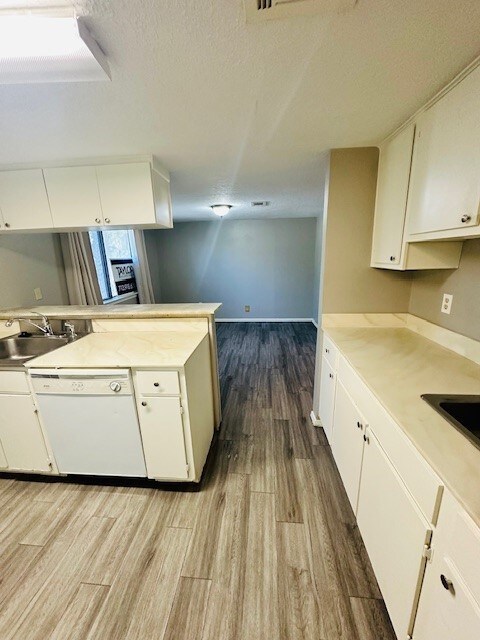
(315,324)
(315,421)
(263,320)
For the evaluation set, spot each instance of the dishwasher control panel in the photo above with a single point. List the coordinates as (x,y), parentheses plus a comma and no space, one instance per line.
(82,381)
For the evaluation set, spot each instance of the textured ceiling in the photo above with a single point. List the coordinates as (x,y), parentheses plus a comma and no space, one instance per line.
(241,112)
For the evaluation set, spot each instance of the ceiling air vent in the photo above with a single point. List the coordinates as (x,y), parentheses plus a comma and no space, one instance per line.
(260,203)
(260,10)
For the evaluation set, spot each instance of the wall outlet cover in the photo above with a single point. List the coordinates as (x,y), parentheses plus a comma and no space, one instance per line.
(447,303)
(247,308)
(37,292)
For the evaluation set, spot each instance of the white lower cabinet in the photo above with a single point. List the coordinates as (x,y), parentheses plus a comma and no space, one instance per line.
(161,426)
(449,607)
(22,444)
(348,442)
(395,534)
(327,398)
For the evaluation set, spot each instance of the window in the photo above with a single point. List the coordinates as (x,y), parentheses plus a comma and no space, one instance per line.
(113,253)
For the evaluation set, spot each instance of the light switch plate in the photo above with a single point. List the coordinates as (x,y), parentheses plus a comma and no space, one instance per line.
(37,292)
(447,303)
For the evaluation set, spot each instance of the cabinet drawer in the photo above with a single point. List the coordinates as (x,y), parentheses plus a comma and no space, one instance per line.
(330,351)
(13,382)
(152,383)
(419,478)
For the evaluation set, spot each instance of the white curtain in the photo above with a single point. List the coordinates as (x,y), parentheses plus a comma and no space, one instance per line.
(142,269)
(82,282)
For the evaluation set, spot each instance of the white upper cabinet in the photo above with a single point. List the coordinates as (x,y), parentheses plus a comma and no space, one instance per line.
(23,201)
(127,195)
(74,197)
(391,201)
(131,194)
(390,249)
(444,193)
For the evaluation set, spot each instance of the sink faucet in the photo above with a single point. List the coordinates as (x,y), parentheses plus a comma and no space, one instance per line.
(46,329)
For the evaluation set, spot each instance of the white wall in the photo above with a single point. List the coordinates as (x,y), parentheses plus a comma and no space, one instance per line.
(267,264)
(28,261)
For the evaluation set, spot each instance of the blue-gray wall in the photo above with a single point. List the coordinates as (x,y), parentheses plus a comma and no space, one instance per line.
(267,264)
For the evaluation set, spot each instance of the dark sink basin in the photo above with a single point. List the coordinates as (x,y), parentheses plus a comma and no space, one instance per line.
(16,350)
(462,411)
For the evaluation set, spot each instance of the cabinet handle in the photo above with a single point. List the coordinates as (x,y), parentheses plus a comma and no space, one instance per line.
(331,375)
(97,220)
(366,438)
(359,425)
(156,384)
(447,584)
(466,218)
(144,404)
(327,350)
(107,220)
(392,258)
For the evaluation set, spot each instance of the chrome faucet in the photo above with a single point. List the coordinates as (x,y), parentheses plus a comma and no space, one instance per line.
(46,329)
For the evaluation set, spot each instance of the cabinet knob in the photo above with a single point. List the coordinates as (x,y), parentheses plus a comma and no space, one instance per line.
(359,425)
(97,220)
(327,350)
(156,384)
(366,438)
(330,375)
(107,220)
(144,404)
(466,218)
(7,225)
(392,258)
(447,584)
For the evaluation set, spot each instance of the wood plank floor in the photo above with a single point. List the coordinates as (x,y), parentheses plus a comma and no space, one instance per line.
(268,549)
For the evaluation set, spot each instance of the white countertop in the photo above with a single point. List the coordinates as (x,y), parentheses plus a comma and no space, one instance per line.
(399,366)
(120,311)
(151,349)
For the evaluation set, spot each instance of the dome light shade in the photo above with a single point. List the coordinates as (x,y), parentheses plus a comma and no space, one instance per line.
(221,209)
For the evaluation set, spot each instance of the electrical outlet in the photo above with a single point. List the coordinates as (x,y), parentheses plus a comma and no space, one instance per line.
(247,308)
(447,303)
(37,292)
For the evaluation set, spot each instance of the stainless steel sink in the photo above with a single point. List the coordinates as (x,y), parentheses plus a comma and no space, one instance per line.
(15,350)
(462,411)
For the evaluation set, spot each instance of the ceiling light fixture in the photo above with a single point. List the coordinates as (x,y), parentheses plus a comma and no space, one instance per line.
(48,46)
(221,209)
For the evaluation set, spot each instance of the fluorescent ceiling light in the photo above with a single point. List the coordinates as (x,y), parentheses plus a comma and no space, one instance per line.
(48,46)
(221,209)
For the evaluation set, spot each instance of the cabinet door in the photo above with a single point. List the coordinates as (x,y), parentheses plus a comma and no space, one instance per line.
(391,202)
(161,425)
(74,197)
(23,200)
(126,193)
(444,185)
(327,398)
(21,436)
(347,447)
(394,532)
(446,613)
(3,460)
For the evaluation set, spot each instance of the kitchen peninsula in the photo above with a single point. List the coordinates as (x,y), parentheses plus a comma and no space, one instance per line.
(141,393)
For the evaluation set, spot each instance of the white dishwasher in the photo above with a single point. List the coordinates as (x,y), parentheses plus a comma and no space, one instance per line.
(91,420)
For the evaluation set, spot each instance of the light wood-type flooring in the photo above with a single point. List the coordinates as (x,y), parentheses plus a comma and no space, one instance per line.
(268,548)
